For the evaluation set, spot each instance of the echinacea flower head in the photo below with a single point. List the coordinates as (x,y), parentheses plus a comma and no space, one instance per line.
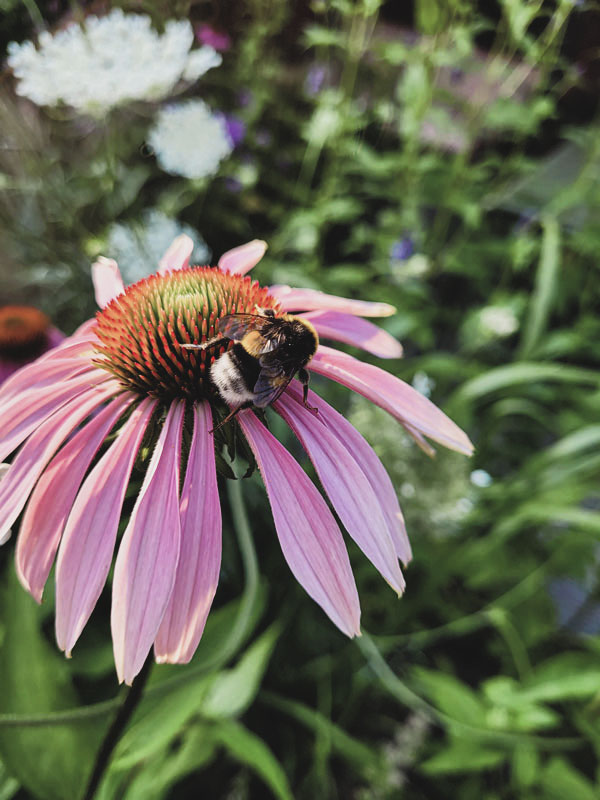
(189,140)
(108,61)
(124,384)
(25,333)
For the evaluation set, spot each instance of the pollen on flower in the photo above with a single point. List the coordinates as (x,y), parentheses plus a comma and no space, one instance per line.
(141,331)
(23,332)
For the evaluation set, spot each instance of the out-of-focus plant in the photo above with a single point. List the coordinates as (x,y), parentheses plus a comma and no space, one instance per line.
(429,156)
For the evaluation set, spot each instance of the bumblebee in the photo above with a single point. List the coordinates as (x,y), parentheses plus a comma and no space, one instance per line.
(268,351)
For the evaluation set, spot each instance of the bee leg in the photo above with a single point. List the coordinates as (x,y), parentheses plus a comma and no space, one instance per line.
(304,377)
(229,416)
(205,345)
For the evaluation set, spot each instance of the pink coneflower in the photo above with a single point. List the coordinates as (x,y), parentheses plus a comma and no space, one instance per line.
(25,333)
(125,370)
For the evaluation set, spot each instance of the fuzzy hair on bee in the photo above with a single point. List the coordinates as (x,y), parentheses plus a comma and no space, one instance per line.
(268,350)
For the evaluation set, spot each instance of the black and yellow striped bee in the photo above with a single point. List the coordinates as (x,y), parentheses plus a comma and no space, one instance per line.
(268,351)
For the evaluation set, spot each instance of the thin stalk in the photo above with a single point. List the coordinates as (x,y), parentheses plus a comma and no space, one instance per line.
(115,731)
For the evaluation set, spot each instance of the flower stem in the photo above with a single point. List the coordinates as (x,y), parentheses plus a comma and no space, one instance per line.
(115,731)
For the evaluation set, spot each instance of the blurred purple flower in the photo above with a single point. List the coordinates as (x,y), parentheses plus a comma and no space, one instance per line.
(315,78)
(208,35)
(402,249)
(236,129)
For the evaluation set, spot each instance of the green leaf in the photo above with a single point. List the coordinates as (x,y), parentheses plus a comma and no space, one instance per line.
(196,749)
(561,781)
(249,749)
(506,377)
(36,679)
(8,786)
(525,765)
(463,756)
(452,696)
(233,690)
(363,758)
(545,286)
(158,720)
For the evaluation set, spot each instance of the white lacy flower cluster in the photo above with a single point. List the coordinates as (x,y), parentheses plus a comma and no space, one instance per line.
(108,61)
(189,140)
(135,247)
(498,321)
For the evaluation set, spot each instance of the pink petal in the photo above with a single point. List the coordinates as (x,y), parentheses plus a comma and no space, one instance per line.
(147,561)
(199,563)
(51,501)
(71,356)
(313,300)
(41,446)
(19,419)
(354,331)
(177,256)
(85,331)
(375,472)
(348,488)
(45,375)
(241,259)
(88,542)
(3,470)
(396,397)
(308,534)
(107,280)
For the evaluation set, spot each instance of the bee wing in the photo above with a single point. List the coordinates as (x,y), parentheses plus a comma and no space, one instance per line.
(236,326)
(272,381)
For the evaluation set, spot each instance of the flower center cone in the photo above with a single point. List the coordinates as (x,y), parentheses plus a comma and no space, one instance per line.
(142,330)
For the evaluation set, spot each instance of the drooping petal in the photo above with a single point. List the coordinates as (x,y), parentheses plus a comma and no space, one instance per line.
(3,470)
(367,459)
(29,411)
(85,331)
(88,542)
(68,357)
(348,488)
(107,280)
(51,500)
(177,256)
(396,397)
(199,563)
(41,446)
(314,300)
(241,259)
(310,539)
(47,374)
(358,332)
(147,560)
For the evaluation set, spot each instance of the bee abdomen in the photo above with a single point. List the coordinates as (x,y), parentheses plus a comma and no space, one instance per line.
(234,375)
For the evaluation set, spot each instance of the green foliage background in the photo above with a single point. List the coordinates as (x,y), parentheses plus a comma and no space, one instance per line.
(483,681)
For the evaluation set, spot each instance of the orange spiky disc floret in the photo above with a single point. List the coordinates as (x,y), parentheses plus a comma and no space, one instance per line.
(23,332)
(142,329)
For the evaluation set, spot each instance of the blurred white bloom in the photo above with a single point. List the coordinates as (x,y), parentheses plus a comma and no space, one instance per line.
(481,478)
(3,470)
(189,140)
(498,321)
(136,247)
(423,383)
(112,60)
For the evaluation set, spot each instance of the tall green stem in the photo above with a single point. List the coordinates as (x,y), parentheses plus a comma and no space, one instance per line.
(115,731)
